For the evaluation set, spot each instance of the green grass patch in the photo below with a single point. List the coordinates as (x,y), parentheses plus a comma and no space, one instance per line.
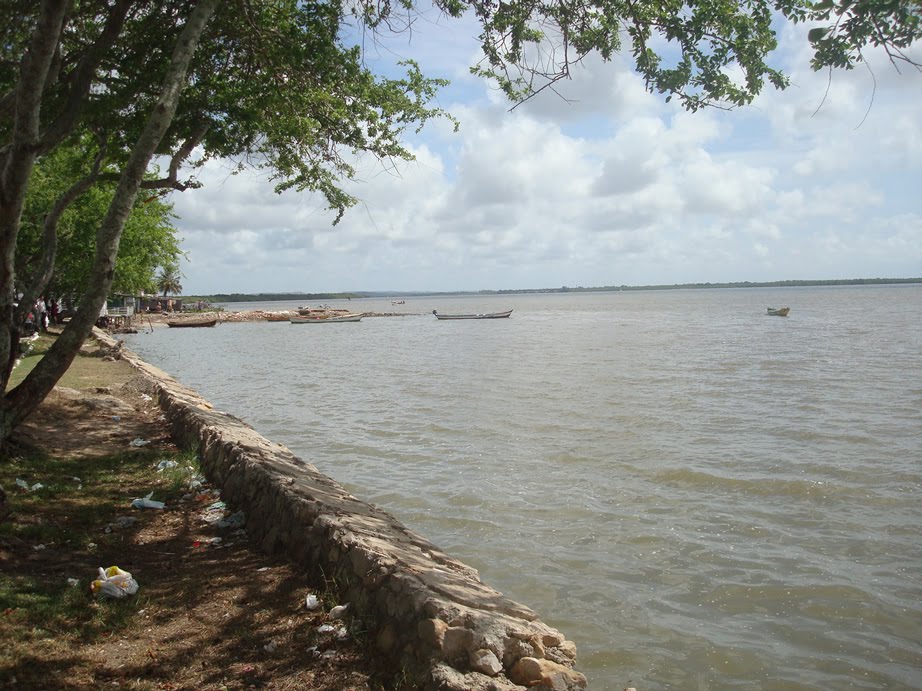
(86,371)
(38,608)
(77,498)
(56,538)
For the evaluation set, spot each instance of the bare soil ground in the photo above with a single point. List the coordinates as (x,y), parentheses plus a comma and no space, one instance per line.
(212,611)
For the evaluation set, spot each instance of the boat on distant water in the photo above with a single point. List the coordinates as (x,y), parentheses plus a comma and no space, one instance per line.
(190,323)
(327,319)
(778,311)
(485,315)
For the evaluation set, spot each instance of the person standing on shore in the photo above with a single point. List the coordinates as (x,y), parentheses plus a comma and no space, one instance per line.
(42,312)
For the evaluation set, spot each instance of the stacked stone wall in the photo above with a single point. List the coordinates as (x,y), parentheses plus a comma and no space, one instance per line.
(448,629)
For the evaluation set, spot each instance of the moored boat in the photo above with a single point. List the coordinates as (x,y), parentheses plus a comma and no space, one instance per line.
(191,323)
(484,315)
(778,311)
(321,319)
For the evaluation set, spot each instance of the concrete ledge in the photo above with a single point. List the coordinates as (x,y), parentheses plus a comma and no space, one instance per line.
(431,612)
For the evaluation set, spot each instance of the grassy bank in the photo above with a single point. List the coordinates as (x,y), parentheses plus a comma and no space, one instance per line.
(87,371)
(66,521)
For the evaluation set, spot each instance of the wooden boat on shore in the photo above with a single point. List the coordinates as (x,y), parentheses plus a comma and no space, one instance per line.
(327,319)
(191,323)
(485,315)
(778,311)
(317,311)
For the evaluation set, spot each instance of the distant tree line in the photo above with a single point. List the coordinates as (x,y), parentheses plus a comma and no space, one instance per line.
(738,284)
(270,297)
(312,297)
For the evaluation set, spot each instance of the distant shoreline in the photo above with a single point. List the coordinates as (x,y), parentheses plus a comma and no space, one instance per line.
(309,297)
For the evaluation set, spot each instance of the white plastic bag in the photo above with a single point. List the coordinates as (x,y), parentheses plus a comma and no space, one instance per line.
(147,503)
(114,583)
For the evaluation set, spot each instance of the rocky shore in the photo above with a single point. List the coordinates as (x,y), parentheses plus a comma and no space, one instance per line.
(428,613)
(151,320)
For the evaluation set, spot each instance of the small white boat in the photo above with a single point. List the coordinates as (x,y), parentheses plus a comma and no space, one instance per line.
(486,315)
(778,311)
(327,319)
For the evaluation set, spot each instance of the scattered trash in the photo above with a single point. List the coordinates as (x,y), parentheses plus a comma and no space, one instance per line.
(121,522)
(311,602)
(91,546)
(22,484)
(235,520)
(341,633)
(338,612)
(73,582)
(217,505)
(270,647)
(262,568)
(146,397)
(213,541)
(212,516)
(39,548)
(164,465)
(139,442)
(147,503)
(116,418)
(114,583)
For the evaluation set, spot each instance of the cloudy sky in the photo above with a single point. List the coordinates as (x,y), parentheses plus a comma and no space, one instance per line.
(607,186)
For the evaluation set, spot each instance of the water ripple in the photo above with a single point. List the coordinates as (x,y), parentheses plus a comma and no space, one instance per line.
(702,497)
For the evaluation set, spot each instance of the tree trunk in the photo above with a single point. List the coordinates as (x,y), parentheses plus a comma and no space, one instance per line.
(16,163)
(18,403)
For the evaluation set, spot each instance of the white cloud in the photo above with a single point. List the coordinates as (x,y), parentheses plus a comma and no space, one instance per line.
(609,186)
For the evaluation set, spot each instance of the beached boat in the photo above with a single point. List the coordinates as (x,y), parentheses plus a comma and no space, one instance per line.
(485,315)
(190,323)
(778,311)
(316,311)
(327,319)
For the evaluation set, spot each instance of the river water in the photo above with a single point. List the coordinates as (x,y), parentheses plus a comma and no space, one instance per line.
(697,494)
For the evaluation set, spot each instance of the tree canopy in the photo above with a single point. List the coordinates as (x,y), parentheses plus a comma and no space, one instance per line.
(281,85)
(168,280)
(149,240)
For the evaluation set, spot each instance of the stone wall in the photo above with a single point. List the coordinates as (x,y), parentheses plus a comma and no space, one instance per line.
(447,628)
